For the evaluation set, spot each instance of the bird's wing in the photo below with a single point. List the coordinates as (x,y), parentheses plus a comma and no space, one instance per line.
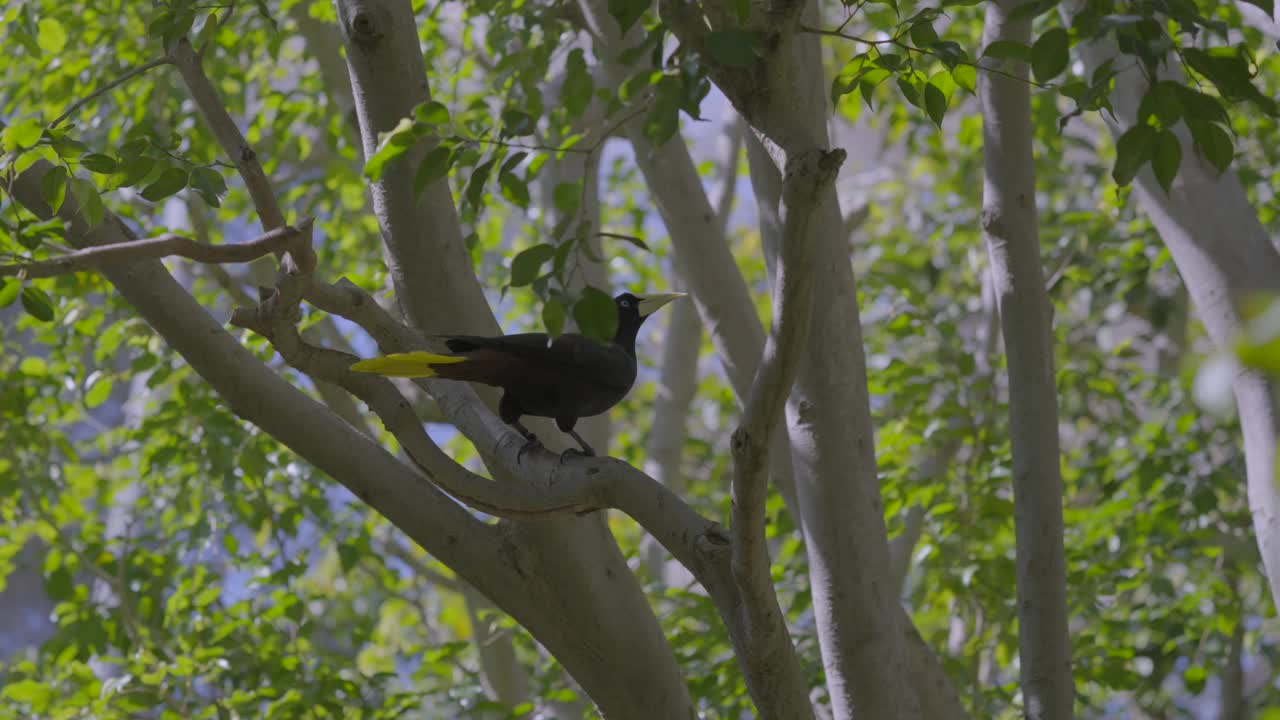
(571,353)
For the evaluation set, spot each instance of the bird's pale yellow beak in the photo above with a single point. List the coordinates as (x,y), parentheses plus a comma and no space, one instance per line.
(649,304)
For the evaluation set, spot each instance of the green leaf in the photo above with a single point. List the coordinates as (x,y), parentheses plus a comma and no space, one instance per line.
(1201,106)
(136,169)
(391,145)
(431,113)
(663,120)
(578,84)
(37,303)
(566,197)
(1213,142)
(731,47)
(9,290)
(1049,54)
(517,123)
(1228,68)
(632,239)
(1133,150)
(209,185)
(53,187)
(923,34)
(349,555)
(31,692)
(1195,677)
(1007,50)
(1161,102)
(510,163)
(475,186)
(1166,157)
(935,103)
(627,12)
(88,201)
(97,389)
(434,166)
(949,52)
(553,316)
(514,189)
(22,134)
(526,265)
(596,314)
(52,36)
(1032,9)
(966,76)
(99,163)
(170,181)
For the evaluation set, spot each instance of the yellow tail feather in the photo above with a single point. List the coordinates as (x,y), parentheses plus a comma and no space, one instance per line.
(410,364)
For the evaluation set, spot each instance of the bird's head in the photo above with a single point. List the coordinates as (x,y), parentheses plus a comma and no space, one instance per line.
(635,308)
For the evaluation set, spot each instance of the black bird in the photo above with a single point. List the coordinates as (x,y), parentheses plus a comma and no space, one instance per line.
(565,378)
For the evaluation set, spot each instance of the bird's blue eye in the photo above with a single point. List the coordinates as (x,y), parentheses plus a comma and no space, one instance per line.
(626,303)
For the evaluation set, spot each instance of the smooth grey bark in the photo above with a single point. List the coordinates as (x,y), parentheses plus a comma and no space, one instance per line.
(1222,251)
(774,674)
(784,98)
(856,606)
(938,697)
(1012,238)
(592,614)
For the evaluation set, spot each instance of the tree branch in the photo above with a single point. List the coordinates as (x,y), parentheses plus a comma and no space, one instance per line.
(255,393)
(108,87)
(293,239)
(806,177)
(228,135)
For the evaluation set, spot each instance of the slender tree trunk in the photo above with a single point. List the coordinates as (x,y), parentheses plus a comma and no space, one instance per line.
(1221,250)
(1013,244)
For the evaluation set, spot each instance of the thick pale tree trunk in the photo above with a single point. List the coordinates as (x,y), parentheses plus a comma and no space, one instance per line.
(1013,243)
(1222,251)
(938,697)
(505,677)
(592,616)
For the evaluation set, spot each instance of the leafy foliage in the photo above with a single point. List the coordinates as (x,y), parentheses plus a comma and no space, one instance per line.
(193,564)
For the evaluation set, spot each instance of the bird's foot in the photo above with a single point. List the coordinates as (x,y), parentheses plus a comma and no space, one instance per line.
(571,452)
(531,442)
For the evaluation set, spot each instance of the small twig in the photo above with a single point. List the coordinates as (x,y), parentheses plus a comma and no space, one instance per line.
(285,238)
(103,89)
(622,236)
(523,146)
(894,41)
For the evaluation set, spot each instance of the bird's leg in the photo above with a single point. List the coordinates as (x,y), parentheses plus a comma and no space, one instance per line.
(531,440)
(510,411)
(586,449)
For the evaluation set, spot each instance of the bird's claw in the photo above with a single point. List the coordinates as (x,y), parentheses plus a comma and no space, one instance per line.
(575,451)
(530,443)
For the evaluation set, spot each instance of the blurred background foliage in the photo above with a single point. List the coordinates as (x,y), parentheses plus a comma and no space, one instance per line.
(159,557)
